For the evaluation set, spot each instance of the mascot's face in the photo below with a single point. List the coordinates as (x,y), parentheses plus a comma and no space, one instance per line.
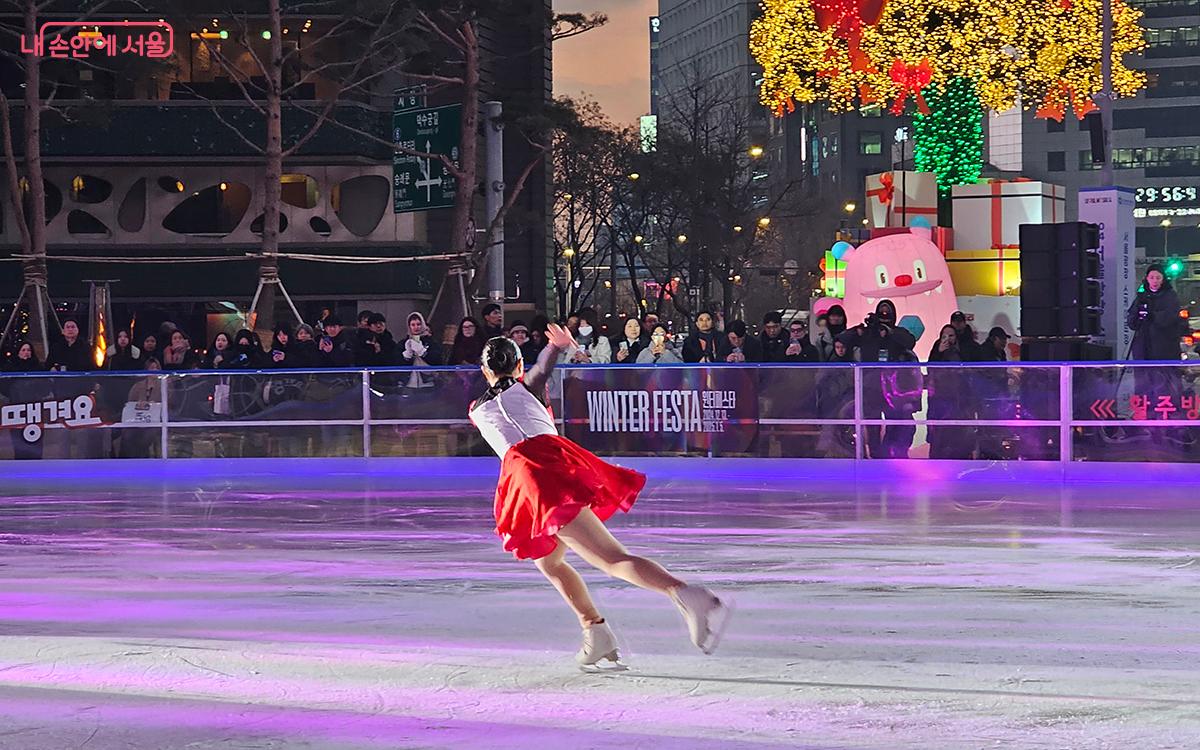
(909,270)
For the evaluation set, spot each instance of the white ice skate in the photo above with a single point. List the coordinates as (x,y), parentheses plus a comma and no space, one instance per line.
(599,652)
(706,615)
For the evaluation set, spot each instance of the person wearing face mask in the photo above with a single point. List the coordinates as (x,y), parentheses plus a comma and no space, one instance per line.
(702,343)
(591,348)
(660,351)
(630,343)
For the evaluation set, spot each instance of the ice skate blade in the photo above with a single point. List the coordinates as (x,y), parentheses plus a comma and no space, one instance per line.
(610,662)
(718,621)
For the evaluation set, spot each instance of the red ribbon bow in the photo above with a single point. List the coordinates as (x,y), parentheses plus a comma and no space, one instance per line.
(887,191)
(911,78)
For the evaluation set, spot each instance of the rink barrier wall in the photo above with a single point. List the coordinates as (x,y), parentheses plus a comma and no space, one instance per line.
(1053,413)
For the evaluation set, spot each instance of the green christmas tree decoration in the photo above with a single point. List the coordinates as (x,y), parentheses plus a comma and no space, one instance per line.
(949,140)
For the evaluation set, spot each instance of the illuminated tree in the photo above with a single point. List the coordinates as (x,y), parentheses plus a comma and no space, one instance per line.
(849,53)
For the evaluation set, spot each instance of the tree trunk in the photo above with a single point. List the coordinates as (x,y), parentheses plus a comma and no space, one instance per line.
(451,304)
(34,268)
(268,269)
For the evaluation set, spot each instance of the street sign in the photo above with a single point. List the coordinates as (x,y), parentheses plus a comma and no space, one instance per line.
(420,183)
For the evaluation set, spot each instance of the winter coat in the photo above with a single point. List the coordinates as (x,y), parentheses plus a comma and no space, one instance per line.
(410,354)
(699,346)
(1156,336)
(123,360)
(635,348)
(668,357)
(70,357)
(300,355)
(342,354)
(751,348)
(773,349)
(599,351)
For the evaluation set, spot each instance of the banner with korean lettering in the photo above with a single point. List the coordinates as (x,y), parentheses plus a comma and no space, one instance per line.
(661,411)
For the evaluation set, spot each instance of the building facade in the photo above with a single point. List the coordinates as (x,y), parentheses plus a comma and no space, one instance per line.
(1156,136)
(160,163)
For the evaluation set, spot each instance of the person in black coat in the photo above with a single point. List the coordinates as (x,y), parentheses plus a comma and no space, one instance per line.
(493,321)
(968,344)
(337,346)
(123,356)
(627,346)
(377,346)
(738,345)
(773,339)
(468,343)
(302,352)
(248,354)
(24,391)
(70,353)
(1157,329)
(220,354)
(800,347)
(949,398)
(886,391)
(1154,319)
(703,343)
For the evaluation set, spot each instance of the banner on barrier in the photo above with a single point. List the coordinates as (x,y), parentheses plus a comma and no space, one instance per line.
(667,410)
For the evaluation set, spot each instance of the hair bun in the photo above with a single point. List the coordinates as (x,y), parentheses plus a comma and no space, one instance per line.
(501,355)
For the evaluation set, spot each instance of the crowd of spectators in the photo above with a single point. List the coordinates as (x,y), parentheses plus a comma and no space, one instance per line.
(370,343)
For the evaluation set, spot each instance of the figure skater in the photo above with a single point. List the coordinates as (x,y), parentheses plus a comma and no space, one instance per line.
(552,490)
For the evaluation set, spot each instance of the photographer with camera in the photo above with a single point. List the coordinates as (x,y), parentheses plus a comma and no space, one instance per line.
(894,392)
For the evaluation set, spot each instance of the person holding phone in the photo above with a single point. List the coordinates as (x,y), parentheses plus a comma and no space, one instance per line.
(660,351)
(630,343)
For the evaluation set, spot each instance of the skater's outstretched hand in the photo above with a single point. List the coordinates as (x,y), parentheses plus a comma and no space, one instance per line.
(559,337)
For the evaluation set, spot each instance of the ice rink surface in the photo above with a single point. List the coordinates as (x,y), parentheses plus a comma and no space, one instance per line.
(332,609)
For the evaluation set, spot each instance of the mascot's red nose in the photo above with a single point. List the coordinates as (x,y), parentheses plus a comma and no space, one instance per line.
(904,280)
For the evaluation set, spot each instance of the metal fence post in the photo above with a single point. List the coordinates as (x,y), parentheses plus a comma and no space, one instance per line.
(366,407)
(1066,414)
(858,413)
(163,438)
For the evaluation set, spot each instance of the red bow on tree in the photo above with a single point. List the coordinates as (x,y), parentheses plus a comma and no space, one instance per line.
(911,78)
(847,17)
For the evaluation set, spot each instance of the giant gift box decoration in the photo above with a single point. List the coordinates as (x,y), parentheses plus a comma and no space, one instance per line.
(986,259)
(897,199)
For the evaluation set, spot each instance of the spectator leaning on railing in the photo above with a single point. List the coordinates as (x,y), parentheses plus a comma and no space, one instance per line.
(468,343)
(660,351)
(592,347)
(629,344)
(337,346)
(419,348)
(703,344)
(738,345)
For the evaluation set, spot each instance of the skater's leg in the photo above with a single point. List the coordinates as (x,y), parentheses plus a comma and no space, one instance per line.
(569,583)
(591,540)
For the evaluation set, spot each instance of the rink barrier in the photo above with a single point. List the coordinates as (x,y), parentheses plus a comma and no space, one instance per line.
(1059,412)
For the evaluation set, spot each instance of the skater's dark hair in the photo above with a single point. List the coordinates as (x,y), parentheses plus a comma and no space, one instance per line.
(501,355)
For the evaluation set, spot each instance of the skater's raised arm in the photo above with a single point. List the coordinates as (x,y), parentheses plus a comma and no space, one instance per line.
(558,339)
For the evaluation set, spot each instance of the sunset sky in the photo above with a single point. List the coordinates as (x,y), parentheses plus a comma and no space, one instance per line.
(612,63)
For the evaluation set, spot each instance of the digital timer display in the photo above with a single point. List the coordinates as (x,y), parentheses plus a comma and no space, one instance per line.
(1168,195)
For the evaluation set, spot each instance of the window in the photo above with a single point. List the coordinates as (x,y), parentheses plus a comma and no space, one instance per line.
(1156,156)
(1056,161)
(870,143)
(1085,161)
(1056,126)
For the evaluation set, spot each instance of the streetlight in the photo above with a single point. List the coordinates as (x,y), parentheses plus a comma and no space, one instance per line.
(634,176)
(638,238)
(1166,225)
(764,222)
(737,228)
(681,239)
(568,196)
(850,206)
(755,151)
(568,254)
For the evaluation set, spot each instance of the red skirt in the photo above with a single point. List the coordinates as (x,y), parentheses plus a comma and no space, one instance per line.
(545,481)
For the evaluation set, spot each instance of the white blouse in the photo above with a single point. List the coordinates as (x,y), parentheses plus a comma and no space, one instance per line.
(513,416)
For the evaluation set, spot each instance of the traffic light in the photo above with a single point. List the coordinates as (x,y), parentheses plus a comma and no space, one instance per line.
(1174,267)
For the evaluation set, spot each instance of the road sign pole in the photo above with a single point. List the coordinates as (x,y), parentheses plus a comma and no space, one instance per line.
(494,128)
